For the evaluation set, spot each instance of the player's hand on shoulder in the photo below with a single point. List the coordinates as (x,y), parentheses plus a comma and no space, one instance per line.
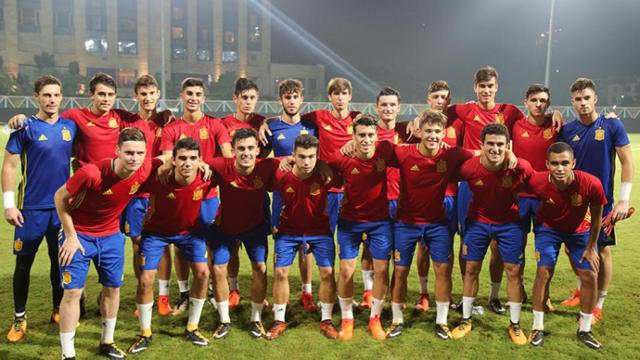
(325,171)
(17,122)
(69,247)
(557,121)
(264,132)
(511,160)
(166,117)
(286,164)
(164,172)
(348,149)
(14,216)
(207,173)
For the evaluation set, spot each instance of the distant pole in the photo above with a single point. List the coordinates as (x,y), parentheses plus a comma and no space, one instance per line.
(549,42)
(163,88)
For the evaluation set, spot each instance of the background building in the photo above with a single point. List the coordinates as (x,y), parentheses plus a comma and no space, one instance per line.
(204,38)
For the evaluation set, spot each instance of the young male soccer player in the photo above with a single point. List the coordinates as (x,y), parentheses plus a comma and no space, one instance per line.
(571,213)
(596,140)
(334,131)
(284,130)
(303,223)
(245,96)
(473,117)
(426,169)
(172,218)
(364,215)
(214,141)
(89,206)
(147,93)
(244,181)
(493,214)
(438,98)
(44,148)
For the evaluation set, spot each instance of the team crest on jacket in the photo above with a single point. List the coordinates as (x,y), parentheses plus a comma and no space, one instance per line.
(451,133)
(576,199)
(204,134)
(547,134)
(66,135)
(441,166)
(380,165)
(134,188)
(159,132)
(197,194)
(113,123)
(507,182)
(350,129)
(500,118)
(314,189)
(599,134)
(17,245)
(257,182)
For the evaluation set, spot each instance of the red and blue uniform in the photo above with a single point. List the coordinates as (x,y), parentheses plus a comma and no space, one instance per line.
(365,208)
(303,219)
(422,215)
(564,217)
(241,214)
(493,212)
(98,197)
(173,218)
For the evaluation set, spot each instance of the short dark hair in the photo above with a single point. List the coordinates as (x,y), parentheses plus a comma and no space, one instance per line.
(45,80)
(388,91)
(495,129)
(243,133)
(364,119)
(244,84)
(104,79)
(339,84)
(192,81)
(434,117)
(145,80)
(131,134)
(485,73)
(187,144)
(583,83)
(535,89)
(438,85)
(306,141)
(558,148)
(290,86)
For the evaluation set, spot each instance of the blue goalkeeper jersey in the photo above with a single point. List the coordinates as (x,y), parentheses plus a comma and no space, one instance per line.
(283,135)
(45,152)
(594,147)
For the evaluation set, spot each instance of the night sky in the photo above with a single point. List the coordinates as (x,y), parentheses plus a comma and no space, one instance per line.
(409,43)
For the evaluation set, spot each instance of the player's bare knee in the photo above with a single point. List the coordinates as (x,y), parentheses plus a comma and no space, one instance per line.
(259,267)
(72,295)
(201,273)
(588,278)
(281,273)
(543,274)
(220,272)
(326,273)
(145,281)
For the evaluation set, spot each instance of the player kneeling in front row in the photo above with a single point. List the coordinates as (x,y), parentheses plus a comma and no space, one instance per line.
(493,214)
(172,218)
(572,203)
(89,206)
(303,223)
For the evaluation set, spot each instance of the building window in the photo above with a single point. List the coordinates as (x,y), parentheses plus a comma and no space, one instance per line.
(127,27)
(229,56)
(63,17)
(254,29)
(204,24)
(29,16)
(127,77)
(230,30)
(96,27)
(179,29)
